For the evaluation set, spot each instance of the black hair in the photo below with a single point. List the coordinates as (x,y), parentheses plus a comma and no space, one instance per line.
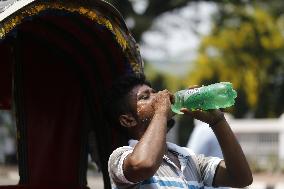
(117,101)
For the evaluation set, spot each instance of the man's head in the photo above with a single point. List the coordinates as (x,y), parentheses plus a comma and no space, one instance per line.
(130,103)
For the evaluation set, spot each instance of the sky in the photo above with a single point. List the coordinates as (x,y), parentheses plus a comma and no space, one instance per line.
(172,43)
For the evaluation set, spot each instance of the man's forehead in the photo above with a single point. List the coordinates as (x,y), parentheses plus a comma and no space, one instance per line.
(139,89)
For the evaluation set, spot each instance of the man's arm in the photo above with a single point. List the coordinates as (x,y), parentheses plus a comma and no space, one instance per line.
(234,171)
(148,153)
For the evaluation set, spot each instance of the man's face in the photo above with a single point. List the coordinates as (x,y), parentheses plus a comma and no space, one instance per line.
(142,99)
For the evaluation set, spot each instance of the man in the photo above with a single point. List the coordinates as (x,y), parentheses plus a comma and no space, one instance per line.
(149,161)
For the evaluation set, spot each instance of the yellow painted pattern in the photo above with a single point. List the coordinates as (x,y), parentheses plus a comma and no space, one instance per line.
(121,38)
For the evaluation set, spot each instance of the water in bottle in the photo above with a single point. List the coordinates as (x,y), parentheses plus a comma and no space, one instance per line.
(214,96)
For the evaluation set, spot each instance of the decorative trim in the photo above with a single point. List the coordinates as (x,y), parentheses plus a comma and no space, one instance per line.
(123,38)
(28,11)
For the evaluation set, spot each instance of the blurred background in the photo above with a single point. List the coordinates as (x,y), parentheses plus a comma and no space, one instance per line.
(191,42)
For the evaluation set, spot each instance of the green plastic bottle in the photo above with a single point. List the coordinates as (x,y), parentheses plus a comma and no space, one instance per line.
(214,96)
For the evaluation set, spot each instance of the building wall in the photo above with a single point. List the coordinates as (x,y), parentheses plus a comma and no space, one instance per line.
(262,140)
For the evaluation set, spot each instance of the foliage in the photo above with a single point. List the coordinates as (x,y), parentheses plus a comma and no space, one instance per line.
(161,80)
(144,19)
(246,48)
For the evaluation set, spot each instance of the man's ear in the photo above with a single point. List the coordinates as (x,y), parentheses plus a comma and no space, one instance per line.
(127,120)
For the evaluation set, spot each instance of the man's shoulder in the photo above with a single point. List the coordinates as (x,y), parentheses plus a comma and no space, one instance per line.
(121,150)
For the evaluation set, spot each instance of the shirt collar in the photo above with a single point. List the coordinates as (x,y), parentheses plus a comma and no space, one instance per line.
(132,142)
(171,146)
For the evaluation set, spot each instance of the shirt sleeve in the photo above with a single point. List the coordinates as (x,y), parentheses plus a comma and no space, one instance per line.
(208,167)
(115,166)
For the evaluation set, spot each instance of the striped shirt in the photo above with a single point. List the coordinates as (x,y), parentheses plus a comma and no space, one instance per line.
(195,172)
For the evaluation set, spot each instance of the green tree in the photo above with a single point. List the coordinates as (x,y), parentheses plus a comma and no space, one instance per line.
(246,48)
(144,20)
(153,9)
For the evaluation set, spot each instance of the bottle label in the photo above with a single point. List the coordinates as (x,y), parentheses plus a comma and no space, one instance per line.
(190,92)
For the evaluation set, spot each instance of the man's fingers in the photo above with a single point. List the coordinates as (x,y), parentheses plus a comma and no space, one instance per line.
(172,98)
(193,87)
(193,113)
(184,110)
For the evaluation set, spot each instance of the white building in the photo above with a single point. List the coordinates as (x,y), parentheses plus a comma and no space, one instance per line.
(262,140)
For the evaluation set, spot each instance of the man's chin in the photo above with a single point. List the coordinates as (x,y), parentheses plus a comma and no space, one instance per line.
(170,124)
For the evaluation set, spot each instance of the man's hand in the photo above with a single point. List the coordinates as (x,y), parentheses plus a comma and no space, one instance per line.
(211,117)
(162,103)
